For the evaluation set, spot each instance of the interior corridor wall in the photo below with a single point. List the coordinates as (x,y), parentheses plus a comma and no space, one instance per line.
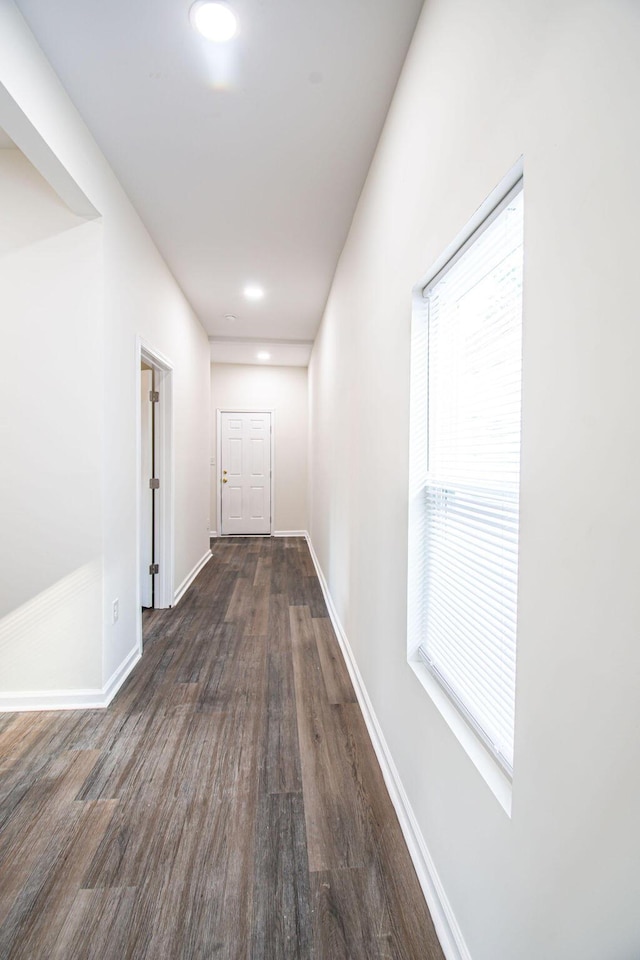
(138,298)
(483,84)
(284,390)
(50,481)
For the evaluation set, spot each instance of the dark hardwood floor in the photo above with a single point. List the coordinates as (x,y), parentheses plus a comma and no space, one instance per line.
(227,804)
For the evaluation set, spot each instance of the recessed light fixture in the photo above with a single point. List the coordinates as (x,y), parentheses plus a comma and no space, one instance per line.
(230,316)
(215,21)
(263,355)
(253,292)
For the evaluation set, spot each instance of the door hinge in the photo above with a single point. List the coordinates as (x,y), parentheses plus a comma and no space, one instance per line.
(154,568)
(154,483)
(154,396)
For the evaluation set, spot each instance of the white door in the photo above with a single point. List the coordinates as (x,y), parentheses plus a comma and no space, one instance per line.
(245,468)
(146,493)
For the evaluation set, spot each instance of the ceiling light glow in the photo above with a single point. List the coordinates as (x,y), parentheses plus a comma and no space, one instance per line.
(263,355)
(253,292)
(215,21)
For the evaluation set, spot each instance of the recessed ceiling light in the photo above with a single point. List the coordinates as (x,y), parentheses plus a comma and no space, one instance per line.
(263,355)
(230,316)
(215,21)
(253,292)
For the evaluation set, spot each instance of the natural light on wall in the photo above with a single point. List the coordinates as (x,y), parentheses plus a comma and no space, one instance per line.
(466,425)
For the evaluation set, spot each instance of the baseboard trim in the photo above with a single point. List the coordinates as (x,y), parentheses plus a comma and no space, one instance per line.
(92,699)
(120,674)
(291,533)
(447,929)
(213,534)
(52,700)
(190,577)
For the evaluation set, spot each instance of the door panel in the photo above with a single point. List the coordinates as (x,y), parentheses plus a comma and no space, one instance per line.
(257,503)
(234,495)
(245,440)
(235,457)
(257,448)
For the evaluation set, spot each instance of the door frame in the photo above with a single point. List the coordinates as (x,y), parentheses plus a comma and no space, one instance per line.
(164,508)
(146,535)
(272,485)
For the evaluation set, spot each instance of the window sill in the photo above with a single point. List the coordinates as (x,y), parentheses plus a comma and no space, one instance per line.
(485,764)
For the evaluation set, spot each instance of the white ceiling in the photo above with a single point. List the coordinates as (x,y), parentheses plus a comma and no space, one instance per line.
(244,160)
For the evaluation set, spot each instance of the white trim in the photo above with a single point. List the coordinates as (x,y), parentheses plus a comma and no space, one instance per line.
(484,211)
(213,534)
(52,700)
(119,675)
(496,773)
(164,471)
(445,923)
(190,577)
(484,761)
(71,699)
(272,483)
(291,533)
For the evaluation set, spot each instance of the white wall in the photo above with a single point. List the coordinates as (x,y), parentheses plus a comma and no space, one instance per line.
(283,389)
(483,84)
(94,351)
(50,414)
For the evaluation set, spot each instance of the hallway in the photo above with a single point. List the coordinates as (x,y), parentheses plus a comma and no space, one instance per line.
(227,804)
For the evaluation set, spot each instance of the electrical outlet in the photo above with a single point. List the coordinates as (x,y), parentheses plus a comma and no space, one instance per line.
(116,610)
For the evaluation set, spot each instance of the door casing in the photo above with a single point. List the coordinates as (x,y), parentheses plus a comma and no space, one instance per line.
(164,511)
(147,517)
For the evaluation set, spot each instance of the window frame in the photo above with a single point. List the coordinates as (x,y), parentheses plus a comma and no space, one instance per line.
(493,767)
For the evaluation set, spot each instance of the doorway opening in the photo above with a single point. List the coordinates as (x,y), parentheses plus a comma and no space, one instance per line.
(154,479)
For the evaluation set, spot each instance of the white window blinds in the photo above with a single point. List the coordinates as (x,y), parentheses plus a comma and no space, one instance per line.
(473,419)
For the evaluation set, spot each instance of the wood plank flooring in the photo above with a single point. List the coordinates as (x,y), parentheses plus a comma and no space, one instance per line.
(227,804)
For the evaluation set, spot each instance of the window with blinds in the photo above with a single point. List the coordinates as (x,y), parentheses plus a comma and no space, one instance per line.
(472,356)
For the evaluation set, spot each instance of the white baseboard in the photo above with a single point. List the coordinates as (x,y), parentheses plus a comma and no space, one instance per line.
(91,699)
(52,700)
(291,533)
(190,577)
(120,674)
(212,534)
(446,925)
